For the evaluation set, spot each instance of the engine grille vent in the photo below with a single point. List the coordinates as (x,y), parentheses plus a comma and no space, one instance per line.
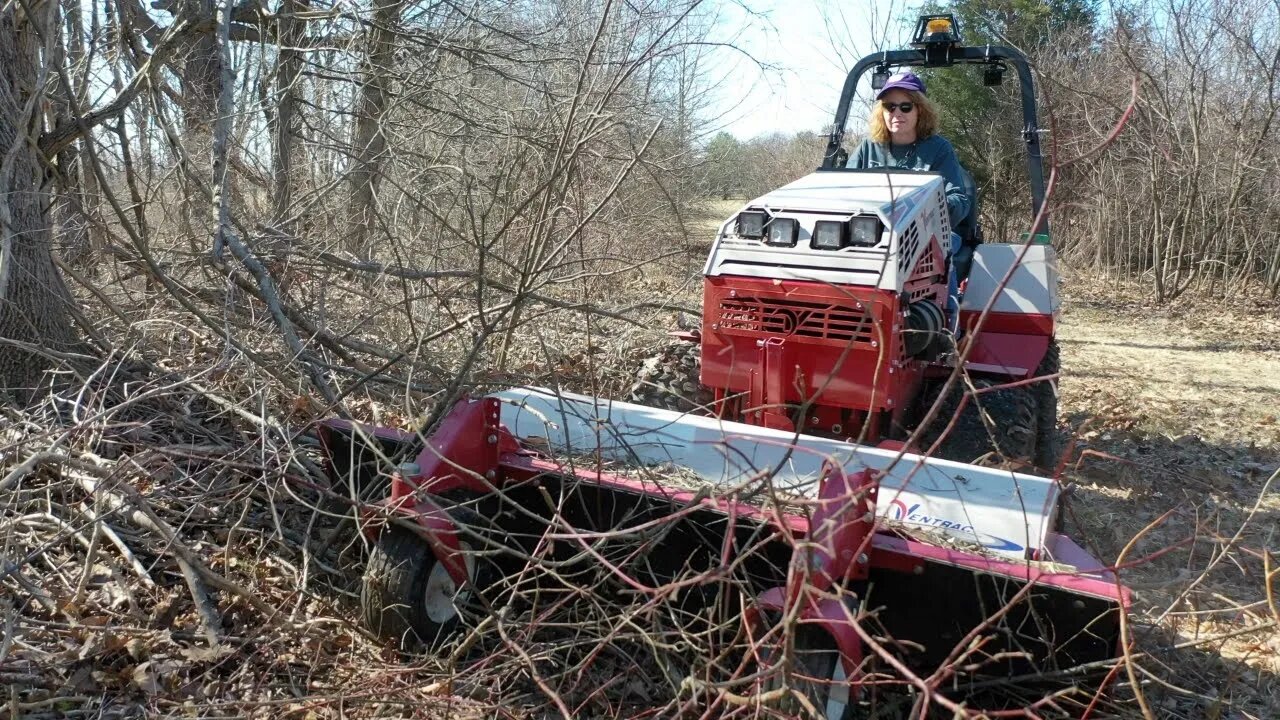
(908,246)
(925,267)
(943,214)
(796,318)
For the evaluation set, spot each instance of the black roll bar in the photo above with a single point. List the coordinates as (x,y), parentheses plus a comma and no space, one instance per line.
(946,56)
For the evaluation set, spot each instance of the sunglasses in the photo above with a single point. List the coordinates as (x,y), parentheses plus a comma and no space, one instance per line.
(905,107)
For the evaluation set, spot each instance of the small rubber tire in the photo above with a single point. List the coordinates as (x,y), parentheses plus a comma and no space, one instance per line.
(394,598)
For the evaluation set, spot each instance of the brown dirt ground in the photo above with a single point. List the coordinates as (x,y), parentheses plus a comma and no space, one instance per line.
(1174,410)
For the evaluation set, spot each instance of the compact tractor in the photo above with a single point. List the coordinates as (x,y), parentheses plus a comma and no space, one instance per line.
(825,344)
(825,303)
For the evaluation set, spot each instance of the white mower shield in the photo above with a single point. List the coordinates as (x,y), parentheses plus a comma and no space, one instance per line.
(1007,513)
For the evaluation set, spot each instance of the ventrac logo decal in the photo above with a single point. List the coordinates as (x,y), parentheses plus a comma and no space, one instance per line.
(902,206)
(788,320)
(898,510)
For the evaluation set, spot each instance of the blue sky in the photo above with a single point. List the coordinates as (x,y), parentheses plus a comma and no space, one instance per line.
(809,46)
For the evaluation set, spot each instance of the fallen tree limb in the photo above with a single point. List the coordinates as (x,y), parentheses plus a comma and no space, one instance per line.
(143,516)
(267,288)
(15,572)
(130,504)
(115,539)
(44,457)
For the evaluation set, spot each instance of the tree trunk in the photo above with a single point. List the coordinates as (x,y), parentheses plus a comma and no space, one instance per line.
(291,34)
(369,144)
(222,132)
(201,78)
(73,233)
(34,301)
(90,193)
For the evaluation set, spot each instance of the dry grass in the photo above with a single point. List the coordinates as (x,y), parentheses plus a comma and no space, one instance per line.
(1203,368)
(1175,412)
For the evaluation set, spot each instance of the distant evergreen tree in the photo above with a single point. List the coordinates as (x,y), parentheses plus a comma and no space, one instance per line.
(985,123)
(724,166)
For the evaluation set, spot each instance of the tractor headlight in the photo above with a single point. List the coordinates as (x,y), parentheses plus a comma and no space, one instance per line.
(751,224)
(864,231)
(783,231)
(828,235)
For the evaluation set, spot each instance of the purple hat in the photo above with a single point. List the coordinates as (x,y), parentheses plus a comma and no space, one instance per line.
(902,81)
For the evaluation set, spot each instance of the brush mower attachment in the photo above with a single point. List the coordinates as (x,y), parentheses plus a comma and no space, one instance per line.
(856,558)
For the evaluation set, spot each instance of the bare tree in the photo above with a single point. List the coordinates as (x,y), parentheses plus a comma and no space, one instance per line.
(35,304)
(369,140)
(291,33)
(1186,197)
(201,77)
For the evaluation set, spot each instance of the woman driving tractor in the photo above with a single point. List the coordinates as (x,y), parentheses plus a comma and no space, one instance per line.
(902,133)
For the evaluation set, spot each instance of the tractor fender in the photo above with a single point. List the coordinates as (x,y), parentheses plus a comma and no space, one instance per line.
(830,614)
(431,523)
(1007,354)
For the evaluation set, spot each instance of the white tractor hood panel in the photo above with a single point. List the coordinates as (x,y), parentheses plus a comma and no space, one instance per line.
(910,205)
(851,192)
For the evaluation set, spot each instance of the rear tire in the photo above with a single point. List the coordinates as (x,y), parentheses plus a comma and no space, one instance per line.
(407,595)
(1000,422)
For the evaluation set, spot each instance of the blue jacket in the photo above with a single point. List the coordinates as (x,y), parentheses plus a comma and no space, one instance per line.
(933,153)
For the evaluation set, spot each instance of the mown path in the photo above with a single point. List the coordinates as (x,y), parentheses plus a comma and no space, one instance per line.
(1174,413)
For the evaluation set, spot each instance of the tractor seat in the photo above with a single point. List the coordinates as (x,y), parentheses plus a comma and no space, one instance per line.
(968,229)
(970,233)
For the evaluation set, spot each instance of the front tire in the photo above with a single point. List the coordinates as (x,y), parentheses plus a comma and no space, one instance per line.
(671,380)
(1048,448)
(407,596)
